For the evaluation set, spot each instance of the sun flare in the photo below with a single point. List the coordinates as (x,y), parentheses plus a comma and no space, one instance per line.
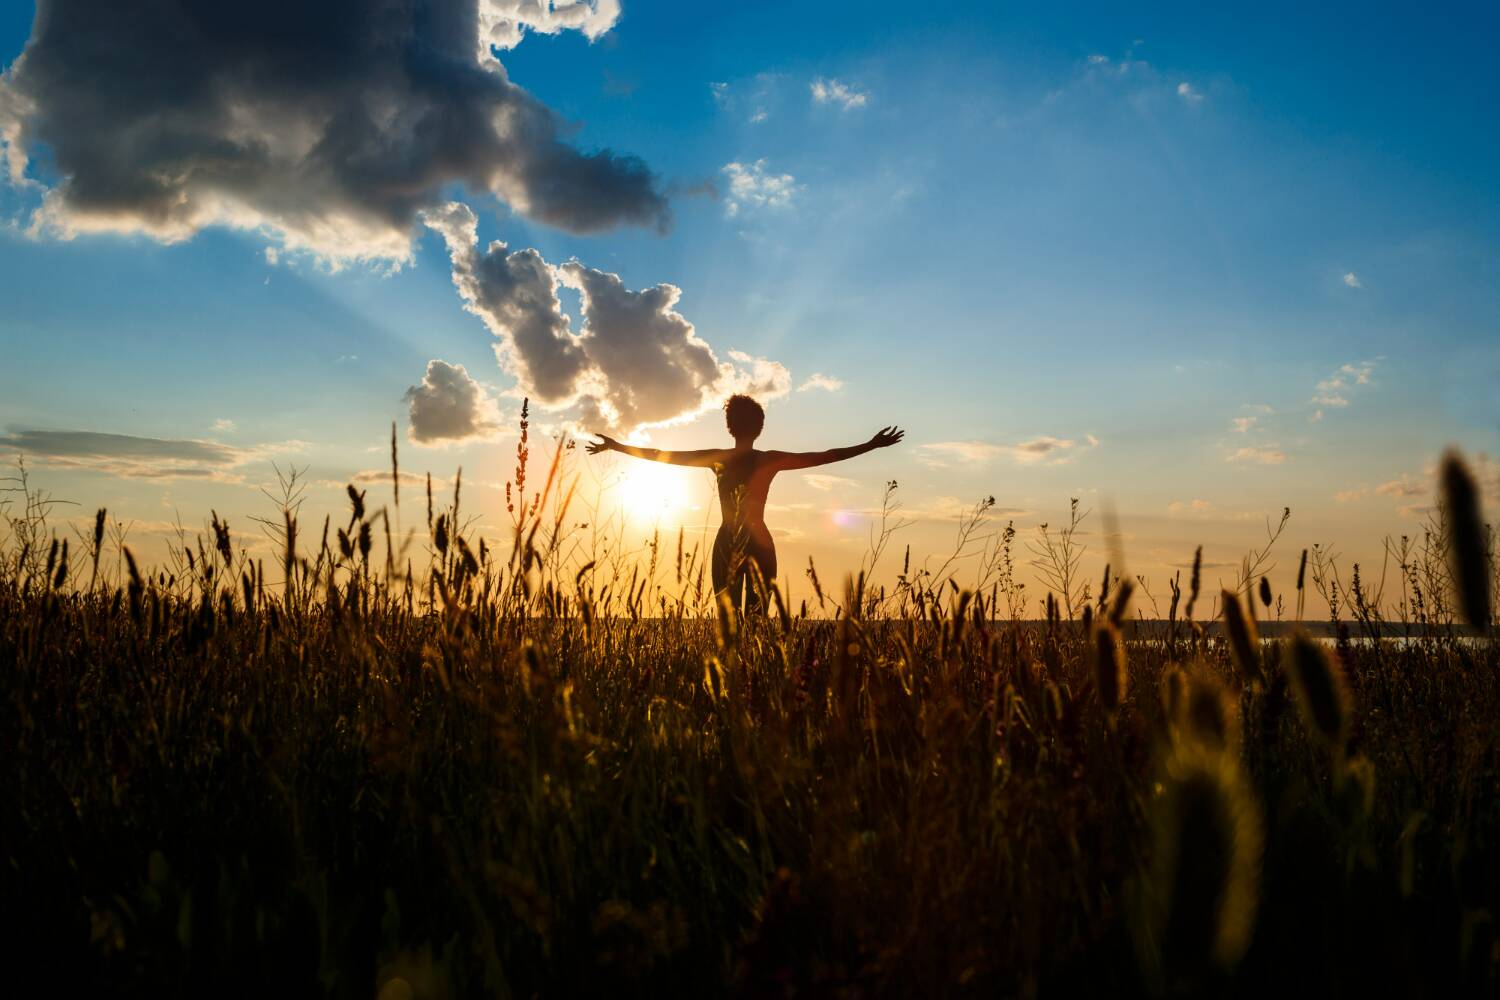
(650,491)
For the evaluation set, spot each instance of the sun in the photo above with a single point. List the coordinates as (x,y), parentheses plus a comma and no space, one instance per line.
(650,491)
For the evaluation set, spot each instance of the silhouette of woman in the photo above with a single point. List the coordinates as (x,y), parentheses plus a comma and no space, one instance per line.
(745,476)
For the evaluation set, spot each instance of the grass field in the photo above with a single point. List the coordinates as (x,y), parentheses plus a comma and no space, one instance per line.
(443,768)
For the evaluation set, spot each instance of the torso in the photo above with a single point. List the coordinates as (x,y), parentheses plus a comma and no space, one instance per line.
(744,482)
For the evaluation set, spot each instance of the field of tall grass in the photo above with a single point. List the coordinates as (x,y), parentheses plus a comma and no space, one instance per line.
(435,765)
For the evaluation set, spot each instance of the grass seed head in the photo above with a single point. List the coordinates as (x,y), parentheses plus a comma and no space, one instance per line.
(1244,642)
(1207,840)
(1321,692)
(1109,666)
(1205,712)
(1466,543)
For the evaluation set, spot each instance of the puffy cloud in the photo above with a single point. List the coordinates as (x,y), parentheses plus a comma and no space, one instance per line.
(329,126)
(449,406)
(648,365)
(636,362)
(751,187)
(1352,280)
(139,457)
(1242,425)
(503,23)
(1258,455)
(516,296)
(817,380)
(833,91)
(762,378)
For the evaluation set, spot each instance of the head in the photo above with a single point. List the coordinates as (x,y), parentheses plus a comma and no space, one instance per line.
(744,417)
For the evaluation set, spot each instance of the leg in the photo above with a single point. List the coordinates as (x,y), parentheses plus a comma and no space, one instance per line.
(728,566)
(764,558)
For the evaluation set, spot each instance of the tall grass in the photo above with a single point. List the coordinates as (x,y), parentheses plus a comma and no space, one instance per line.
(436,766)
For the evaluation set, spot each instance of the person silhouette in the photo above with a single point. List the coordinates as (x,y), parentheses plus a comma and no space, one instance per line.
(744,477)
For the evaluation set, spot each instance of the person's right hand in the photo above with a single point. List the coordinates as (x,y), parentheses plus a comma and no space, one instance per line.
(887,436)
(605,443)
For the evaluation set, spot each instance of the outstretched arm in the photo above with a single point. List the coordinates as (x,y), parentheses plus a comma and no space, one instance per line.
(701,459)
(785,461)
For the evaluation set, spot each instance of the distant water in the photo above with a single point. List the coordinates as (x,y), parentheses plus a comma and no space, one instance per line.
(1323,630)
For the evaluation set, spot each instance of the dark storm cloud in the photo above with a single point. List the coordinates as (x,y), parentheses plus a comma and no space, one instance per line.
(330,124)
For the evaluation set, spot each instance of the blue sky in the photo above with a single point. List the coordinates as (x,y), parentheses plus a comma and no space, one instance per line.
(1171,232)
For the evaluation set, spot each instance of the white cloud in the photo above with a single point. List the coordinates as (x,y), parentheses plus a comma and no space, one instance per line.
(449,406)
(758,116)
(817,380)
(1243,425)
(1098,60)
(1187,93)
(222,424)
(831,91)
(503,23)
(1258,455)
(751,187)
(1334,390)
(721,93)
(760,377)
(1352,280)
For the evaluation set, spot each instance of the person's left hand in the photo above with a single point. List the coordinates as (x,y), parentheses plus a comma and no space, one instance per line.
(887,436)
(605,443)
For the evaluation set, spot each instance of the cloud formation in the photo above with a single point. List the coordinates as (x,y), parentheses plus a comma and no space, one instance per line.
(1051,450)
(1188,93)
(1334,390)
(817,380)
(138,457)
(636,362)
(751,187)
(503,23)
(448,406)
(1402,488)
(1352,280)
(328,126)
(833,91)
(1259,455)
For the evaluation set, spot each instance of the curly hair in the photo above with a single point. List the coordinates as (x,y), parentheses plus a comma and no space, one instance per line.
(743,416)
